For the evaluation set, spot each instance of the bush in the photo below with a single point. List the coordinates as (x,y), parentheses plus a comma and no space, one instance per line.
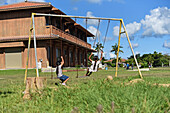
(110,64)
(120,65)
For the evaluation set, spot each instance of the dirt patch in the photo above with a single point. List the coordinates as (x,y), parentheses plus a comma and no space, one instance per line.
(164,85)
(134,81)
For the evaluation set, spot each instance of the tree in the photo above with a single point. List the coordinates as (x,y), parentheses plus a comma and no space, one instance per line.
(99,47)
(157,59)
(115,49)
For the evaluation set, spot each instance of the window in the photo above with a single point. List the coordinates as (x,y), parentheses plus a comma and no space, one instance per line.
(76,60)
(58,53)
(66,58)
(47,20)
(71,56)
(81,57)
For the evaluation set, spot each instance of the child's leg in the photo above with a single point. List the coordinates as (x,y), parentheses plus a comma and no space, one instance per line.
(89,74)
(66,80)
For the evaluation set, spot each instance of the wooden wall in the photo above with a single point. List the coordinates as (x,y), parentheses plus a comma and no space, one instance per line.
(17,23)
(41,54)
(2,59)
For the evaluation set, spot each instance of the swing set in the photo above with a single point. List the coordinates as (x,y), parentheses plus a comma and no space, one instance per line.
(32,29)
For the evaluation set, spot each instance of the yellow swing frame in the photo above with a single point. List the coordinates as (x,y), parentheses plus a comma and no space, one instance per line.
(68,16)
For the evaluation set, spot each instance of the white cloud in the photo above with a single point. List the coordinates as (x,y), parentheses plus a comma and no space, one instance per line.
(135,45)
(105,54)
(91,21)
(116,31)
(93,30)
(16,1)
(75,8)
(137,52)
(112,55)
(131,28)
(157,23)
(166,44)
(108,39)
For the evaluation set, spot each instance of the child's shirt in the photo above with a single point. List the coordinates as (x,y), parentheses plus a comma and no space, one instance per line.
(59,71)
(92,66)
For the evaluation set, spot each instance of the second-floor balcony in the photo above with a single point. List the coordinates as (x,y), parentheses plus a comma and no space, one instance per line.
(54,32)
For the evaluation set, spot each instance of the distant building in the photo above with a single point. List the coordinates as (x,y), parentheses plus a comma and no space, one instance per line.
(55,37)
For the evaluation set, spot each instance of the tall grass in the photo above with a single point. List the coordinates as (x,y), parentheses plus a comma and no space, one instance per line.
(87,93)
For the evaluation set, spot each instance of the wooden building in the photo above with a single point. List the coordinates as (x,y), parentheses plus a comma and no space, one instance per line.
(55,36)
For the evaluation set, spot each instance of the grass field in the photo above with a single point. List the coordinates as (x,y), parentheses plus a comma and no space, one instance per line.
(87,93)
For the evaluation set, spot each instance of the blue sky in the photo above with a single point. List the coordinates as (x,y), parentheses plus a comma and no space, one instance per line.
(147,22)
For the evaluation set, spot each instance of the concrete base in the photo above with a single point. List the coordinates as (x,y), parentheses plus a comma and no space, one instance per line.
(48,70)
(144,69)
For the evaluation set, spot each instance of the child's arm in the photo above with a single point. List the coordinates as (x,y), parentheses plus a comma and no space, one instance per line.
(101,56)
(90,57)
(62,62)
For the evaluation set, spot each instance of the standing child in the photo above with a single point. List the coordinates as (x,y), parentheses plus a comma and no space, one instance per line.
(95,63)
(132,66)
(59,74)
(127,66)
(149,65)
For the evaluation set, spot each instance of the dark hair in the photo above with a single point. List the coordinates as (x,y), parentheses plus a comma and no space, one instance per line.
(95,58)
(57,63)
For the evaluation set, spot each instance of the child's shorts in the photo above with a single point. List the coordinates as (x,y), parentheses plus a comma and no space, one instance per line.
(63,78)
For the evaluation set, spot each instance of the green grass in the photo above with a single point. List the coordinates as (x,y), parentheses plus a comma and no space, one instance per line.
(87,93)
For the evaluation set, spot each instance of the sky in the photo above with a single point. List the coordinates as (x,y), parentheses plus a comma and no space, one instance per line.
(147,22)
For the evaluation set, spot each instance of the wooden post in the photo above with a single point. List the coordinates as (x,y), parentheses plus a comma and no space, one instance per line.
(75,110)
(112,107)
(68,56)
(133,110)
(34,84)
(86,59)
(99,109)
(61,48)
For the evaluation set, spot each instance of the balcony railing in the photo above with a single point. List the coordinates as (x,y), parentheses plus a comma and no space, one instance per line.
(55,31)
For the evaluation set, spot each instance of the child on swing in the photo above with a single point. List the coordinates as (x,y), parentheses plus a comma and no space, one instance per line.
(95,63)
(59,74)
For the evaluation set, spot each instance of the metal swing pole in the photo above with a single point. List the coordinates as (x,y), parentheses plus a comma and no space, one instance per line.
(70,16)
(132,50)
(117,57)
(35,48)
(29,43)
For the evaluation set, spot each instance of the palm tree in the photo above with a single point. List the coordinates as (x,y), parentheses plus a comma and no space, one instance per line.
(115,49)
(99,47)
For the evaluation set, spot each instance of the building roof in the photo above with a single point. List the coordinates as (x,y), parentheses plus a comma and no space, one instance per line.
(24,5)
(32,5)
